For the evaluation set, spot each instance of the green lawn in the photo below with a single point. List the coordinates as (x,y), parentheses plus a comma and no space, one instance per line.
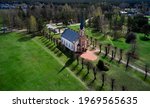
(34,64)
(25,65)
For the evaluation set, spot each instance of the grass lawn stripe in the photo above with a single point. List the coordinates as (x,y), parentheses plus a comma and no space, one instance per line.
(58,60)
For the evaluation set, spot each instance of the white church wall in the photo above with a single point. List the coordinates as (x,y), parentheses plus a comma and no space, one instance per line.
(68,44)
(76,44)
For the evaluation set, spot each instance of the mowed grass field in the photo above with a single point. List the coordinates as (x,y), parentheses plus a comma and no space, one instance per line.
(25,65)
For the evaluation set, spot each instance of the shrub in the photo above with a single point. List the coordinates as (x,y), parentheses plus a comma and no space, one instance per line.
(131,37)
(101,66)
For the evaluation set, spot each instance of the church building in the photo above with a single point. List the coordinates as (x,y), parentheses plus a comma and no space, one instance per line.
(76,42)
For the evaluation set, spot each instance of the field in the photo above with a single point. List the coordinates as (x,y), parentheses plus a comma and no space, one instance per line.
(37,64)
(25,65)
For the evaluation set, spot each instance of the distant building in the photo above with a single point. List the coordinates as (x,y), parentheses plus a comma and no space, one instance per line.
(76,42)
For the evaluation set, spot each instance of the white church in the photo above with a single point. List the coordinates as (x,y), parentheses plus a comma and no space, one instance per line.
(76,42)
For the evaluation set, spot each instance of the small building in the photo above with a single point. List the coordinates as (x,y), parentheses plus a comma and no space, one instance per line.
(76,42)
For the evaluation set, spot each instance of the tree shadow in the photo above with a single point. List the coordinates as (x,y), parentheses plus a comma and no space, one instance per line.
(91,82)
(59,54)
(85,76)
(25,38)
(101,87)
(111,59)
(66,52)
(79,72)
(56,51)
(67,64)
(74,67)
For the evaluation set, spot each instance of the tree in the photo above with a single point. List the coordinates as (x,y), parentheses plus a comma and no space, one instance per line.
(123,88)
(115,52)
(128,59)
(106,51)
(146,30)
(146,71)
(77,57)
(100,48)
(108,48)
(116,25)
(130,38)
(91,40)
(121,53)
(101,66)
(137,22)
(97,23)
(82,62)
(66,14)
(112,55)
(40,23)
(112,84)
(95,42)
(103,79)
(32,24)
(88,68)
(94,71)
(90,22)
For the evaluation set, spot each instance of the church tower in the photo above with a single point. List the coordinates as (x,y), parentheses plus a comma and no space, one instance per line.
(81,32)
(83,41)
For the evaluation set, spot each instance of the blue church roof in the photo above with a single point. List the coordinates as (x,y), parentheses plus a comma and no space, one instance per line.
(70,35)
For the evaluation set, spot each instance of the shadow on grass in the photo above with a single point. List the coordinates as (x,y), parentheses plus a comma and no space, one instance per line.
(59,54)
(25,38)
(78,73)
(85,76)
(5,34)
(67,64)
(144,38)
(101,87)
(90,84)
(74,67)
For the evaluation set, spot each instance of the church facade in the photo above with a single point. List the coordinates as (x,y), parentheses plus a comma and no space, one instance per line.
(75,41)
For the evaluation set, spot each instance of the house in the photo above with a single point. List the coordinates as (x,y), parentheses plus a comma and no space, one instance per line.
(76,42)
(54,28)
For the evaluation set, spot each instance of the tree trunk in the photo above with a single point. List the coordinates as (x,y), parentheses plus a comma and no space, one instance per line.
(100,48)
(108,48)
(112,84)
(94,71)
(146,71)
(106,51)
(121,51)
(103,79)
(128,59)
(82,63)
(88,68)
(115,52)
(77,60)
(123,88)
(112,55)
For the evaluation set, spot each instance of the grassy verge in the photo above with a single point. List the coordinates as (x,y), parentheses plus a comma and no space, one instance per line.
(26,66)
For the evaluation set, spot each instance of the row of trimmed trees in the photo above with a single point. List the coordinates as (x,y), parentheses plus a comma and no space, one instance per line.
(112,52)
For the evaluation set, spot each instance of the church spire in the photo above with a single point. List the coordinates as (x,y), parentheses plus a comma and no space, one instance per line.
(82,22)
